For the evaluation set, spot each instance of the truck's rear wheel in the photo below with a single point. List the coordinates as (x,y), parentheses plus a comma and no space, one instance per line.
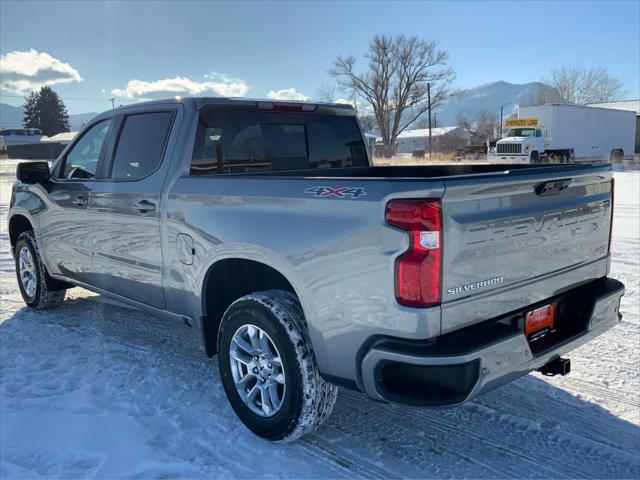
(31,274)
(268,369)
(616,155)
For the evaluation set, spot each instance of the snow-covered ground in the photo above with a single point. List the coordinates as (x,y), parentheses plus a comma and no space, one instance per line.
(95,389)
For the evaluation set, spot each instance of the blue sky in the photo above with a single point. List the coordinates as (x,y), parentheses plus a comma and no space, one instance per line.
(253,49)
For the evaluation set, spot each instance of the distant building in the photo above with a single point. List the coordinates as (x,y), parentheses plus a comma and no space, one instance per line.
(630,105)
(30,144)
(18,136)
(370,139)
(64,138)
(443,139)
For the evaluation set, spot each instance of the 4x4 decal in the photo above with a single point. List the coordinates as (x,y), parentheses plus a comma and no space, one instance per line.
(339,192)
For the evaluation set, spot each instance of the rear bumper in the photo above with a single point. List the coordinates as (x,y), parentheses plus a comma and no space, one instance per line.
(463,364)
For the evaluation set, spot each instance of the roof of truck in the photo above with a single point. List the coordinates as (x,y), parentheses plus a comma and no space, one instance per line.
(199,101)
(603,106)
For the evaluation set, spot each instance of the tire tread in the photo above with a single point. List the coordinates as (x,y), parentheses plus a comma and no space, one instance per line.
(319,396)
(44,298)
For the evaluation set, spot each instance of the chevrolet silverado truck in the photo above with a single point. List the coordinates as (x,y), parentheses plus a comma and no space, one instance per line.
(266,226)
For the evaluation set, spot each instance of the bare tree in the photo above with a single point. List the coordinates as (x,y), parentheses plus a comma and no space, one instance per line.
(543,95)
(462,121)
(326,93)
(367,122)
(485,127)
(581,86)
(395,83)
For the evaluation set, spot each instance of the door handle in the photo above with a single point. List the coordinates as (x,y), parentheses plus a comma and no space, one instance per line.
(144,206)
(80,201)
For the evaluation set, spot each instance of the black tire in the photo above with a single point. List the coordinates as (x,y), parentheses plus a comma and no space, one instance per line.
(41,298)
(535,157)
(307,399)
(616,156)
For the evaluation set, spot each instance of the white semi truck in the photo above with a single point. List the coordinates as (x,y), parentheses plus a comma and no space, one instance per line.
(565,133)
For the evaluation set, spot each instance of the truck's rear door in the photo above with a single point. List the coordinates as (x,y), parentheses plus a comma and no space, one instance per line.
(514,239)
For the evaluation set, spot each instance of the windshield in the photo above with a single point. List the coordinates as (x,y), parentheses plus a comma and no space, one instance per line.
(522,132)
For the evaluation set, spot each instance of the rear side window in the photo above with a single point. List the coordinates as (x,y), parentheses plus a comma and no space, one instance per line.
(243,140)
(140,145)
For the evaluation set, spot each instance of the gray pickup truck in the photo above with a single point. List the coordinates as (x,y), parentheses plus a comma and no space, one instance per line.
(264,225)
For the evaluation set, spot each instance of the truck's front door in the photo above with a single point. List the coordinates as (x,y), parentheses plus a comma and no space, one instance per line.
(66,226)
(125,208)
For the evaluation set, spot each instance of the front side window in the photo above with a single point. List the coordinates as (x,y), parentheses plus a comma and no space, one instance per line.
(243,140)
(82,161)
(140,145)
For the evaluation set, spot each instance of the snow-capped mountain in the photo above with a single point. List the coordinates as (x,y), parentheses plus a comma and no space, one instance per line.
(488,97)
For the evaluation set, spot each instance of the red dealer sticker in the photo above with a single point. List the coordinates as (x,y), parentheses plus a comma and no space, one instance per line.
(540,319)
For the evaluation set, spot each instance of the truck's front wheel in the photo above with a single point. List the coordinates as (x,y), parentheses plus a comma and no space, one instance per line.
(535,157)
(268,369)
(31,274)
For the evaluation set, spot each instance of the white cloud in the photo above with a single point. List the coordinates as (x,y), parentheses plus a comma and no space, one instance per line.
(287,94)
(347,101)
(363,108)
(23,71)
(183,86)
(220,77)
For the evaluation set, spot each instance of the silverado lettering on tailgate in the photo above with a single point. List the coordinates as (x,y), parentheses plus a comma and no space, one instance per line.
(475,285)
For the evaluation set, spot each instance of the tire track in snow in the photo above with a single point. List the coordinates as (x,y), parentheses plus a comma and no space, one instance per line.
(392,420)
(316,446)
(507,427)
(584,387)
(399,420)
(407,417)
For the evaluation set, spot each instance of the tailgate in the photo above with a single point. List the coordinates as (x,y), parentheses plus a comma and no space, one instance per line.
(507,238)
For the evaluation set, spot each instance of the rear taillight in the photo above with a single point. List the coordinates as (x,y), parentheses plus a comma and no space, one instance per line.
(613,184)
(418,270)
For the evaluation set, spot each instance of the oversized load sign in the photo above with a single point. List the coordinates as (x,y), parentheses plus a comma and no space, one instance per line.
(521,122)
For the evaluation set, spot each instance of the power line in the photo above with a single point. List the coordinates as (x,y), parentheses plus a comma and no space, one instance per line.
(112,99)
(64,98)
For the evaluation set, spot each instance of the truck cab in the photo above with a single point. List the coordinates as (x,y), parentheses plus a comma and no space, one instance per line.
(521,145)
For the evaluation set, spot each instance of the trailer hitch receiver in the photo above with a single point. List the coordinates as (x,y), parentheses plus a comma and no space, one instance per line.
(559,366)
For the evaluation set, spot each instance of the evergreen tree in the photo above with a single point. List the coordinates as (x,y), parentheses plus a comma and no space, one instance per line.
(45,110)
(31,117)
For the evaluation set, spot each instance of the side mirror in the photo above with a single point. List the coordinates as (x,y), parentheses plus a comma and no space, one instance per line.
(33,172)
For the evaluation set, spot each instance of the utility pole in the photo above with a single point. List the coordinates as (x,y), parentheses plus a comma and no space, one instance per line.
(113,102)
(500,126)
(429,108)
